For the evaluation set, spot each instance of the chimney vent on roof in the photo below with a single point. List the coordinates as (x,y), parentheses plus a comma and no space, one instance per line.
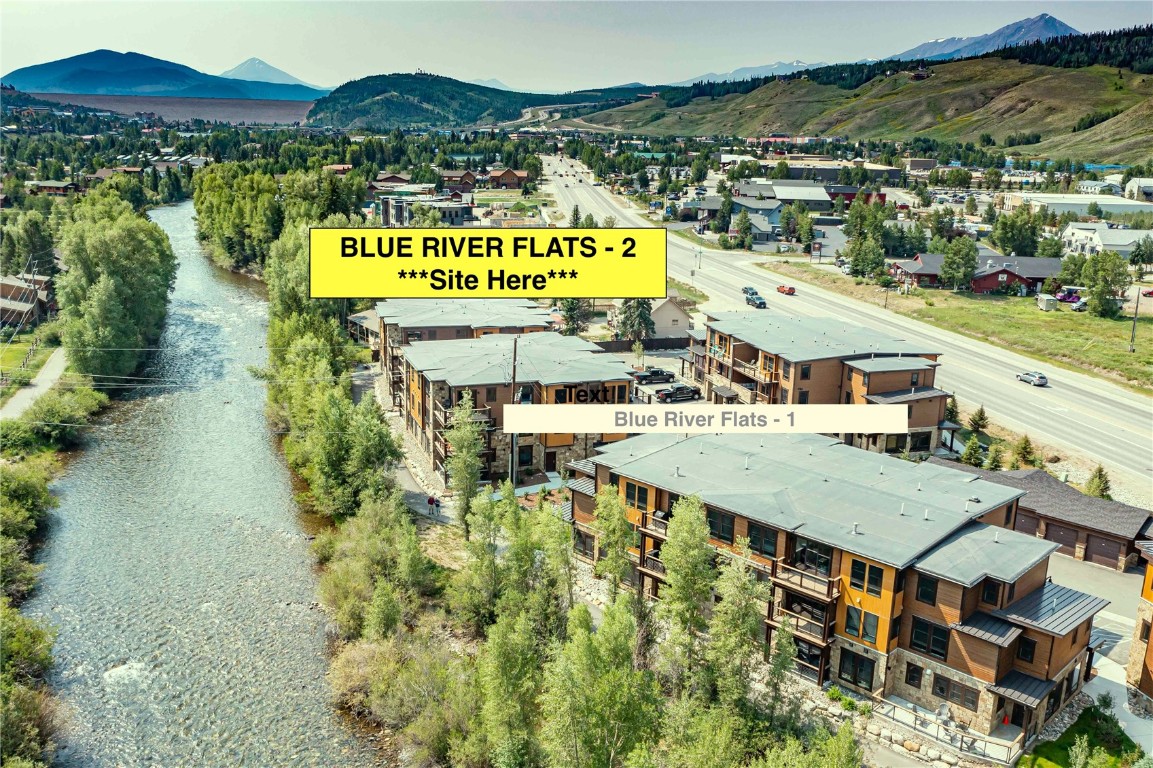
(902,509)
(855,531)
(997,537)
(677,471)
(926,513)
(918,486)
(975,499)
(746,462)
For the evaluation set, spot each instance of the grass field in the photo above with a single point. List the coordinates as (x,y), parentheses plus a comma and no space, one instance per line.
(688,292)
(12,355)
(961,100)
(1074,340)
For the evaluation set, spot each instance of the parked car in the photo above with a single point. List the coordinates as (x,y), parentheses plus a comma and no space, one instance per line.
(678,392)
(1036,378)
(1067,296)
(749,290)
(654,376)
(846,269)
(788,290)
(1147,292)
(754,300)
(1080,306)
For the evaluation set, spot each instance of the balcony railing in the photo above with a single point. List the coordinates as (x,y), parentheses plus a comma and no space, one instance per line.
(803,625)
(653,563)
(822,586)
(441,414)
(950,734)
(656,525)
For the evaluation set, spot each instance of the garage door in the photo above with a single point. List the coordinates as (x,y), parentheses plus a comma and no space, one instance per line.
(1026,524)
(1102,551)
(1060,534)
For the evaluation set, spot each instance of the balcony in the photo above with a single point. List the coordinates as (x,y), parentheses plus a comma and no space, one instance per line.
(441,410)
(807,582)
(656,524)
(811,626)
(653,563)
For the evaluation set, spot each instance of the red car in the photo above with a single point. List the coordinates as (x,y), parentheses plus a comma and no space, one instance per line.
(788,290)
(1147,292)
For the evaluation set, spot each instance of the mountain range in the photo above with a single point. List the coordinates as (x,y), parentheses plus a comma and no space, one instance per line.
(491,82)
(134,74)
(260,71)
(1041,27)
(744,73)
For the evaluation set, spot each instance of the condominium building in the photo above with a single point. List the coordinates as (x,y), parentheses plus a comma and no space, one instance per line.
(757,357)
(900,581)
(1139,672)
(503,369)
(405,321)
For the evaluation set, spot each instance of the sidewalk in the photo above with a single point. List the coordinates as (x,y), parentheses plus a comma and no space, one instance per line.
(49,374)
(1111,679)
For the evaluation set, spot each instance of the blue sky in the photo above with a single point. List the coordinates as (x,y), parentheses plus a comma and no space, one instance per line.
(542,45)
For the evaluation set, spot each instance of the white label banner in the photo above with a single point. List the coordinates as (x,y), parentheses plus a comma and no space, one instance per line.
(705,418)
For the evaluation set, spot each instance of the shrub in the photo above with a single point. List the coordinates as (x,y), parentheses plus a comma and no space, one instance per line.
(834,693)
(866,710)
(19,377)
(849,705)
(16,436)
(58,416)
(352,672)
(930,303)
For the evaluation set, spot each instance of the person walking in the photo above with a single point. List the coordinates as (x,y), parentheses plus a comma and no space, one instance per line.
(436,501)
(431,505)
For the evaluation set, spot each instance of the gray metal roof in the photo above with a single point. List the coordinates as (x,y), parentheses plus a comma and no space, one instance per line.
(815,486)
(474,313)
(907,395)
(891,364)
(368,319)
(1023,266)
(1146,548)
(923,264)
(1028,690)
(585,485)
(542,358)
(1049,497)
(566,511)
(980,551)
(582,465)
(811,338)
(1053,609)
(989,628)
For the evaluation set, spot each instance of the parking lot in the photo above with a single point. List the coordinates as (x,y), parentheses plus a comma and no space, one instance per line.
(669,360)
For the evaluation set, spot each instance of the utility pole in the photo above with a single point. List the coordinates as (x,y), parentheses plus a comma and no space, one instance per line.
(1133,333)
(515,437)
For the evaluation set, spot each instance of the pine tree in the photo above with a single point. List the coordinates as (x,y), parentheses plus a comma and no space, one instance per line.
(951,413)
(509,675)
(636,319)
(477,586)
(574,219)
(995,458)
(575,316)
(979,420)
(1099,484)
(972,453)
(1023,450)
(689,577)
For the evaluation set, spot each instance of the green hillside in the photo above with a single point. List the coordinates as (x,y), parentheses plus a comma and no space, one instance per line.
(432,101)
(960,100)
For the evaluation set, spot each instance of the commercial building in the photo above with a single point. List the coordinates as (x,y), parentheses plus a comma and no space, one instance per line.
(403,322)
(900,581)
(1090,238)
(756,357)
(1072,203)
(499,370)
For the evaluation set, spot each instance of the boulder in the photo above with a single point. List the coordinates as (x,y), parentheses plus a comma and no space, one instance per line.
(874,729)
(932,754)
(949,759)
(912,746)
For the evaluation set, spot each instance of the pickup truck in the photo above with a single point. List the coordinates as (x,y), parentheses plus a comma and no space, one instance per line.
(678,392)
(654,376)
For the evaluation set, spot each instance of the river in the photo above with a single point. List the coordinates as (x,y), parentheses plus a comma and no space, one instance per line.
(177,569)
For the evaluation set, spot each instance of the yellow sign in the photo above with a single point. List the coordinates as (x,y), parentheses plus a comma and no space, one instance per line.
(487,264)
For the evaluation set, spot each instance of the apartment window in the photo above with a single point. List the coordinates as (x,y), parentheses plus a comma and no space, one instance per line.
(909,411)
(894,627)
(1144,631)
(460,333)
(636,496)
(857,670)
(848,398)
(560,395)
(614,479)
(929,638)
(762,540)
(673,499)
(813,556)
(913,675)
(1008,517)
(876,577)
(720,525)
(869,628)
(490,394)
(1009,597)
(806,370)
(622,393)
(849,376)
(584,542)
(955,692)
(786,369)
(991,592)
(926,589)
(865,380)
(802,396)
(675,322)
(1026,649)
(853,621)
(914,379)
(857,575)
(900,586)
(784,396)
(524,456)
(1053,702)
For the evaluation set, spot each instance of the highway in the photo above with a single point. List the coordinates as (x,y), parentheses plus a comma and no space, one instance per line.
(1077,414)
